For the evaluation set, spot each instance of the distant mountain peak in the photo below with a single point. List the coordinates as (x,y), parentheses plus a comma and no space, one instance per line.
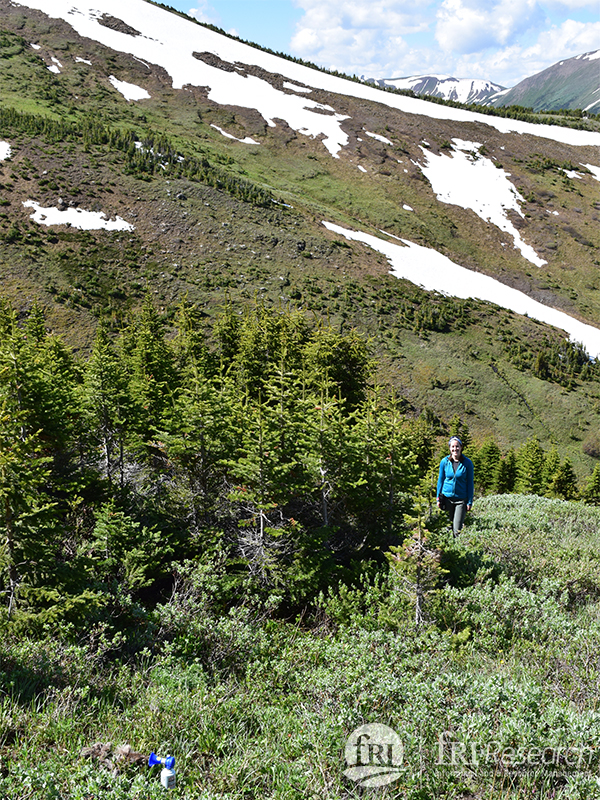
(462,90)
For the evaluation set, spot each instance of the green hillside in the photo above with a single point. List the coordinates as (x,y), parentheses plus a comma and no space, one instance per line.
(220,430)
(209,229)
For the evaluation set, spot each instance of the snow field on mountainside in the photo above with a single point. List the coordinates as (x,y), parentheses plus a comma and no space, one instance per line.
(594,170)
(436,272)
(76,218)
(247,140)
(178,45)
(170,41)
(473,182)
(379,138)
(129,90)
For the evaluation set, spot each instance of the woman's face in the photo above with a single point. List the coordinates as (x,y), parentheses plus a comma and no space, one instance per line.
(455,450)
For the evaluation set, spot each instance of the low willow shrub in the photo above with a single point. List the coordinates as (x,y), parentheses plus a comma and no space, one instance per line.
(494,697)
(532,538)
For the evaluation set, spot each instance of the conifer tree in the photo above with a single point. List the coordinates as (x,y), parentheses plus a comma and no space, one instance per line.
(191,353)
(123,553)
(342,360)
(530,462)
(25,510)
(551,467)
(257,475)
(564,482)
(416,563)
(506,477)
(591,492)
(107,404)
(386,469)
(153,375)
(199,441)
(459,428)
(38,373)
(487,462)
(332,452)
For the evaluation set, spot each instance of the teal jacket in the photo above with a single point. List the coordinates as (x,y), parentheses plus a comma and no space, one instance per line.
(456,485)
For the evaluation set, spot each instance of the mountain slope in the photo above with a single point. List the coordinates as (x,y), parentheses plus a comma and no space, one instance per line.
(573,83)
(216,165)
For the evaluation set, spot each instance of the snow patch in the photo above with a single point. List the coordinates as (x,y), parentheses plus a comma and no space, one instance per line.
(129,90)
(570,173)
(77,218)
(5,151)
(293,87)
(436,272)
(473,182)
(79,60)
(361,168)
(36,46)
(594,170)
(463,144)
(247,140)
(378,137)
(406,207)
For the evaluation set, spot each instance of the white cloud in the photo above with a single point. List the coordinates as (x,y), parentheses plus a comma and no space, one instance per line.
(566,41)
(358,37)
(509,65)
(499,40)
(469,26)
(560,5)
(204,13)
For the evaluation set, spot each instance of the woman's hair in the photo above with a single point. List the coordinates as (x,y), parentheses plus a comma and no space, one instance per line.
(454,439)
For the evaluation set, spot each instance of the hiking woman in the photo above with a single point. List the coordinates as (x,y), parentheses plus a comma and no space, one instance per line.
(455,485)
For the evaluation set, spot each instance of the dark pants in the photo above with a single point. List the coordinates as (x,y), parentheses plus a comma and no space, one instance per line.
(456,510)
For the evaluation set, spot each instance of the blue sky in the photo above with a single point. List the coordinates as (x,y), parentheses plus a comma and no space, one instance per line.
(500,40)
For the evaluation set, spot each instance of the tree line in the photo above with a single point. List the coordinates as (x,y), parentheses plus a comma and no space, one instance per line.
(145,154)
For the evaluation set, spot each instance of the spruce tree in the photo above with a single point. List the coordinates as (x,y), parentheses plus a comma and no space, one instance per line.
(487,462)
(551,468)
(107,405)
(25,510)
(461,429)
(199,439)
(530,462)
(564,482)
(506,476)
(151,362)
(591,493)
(416,564)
